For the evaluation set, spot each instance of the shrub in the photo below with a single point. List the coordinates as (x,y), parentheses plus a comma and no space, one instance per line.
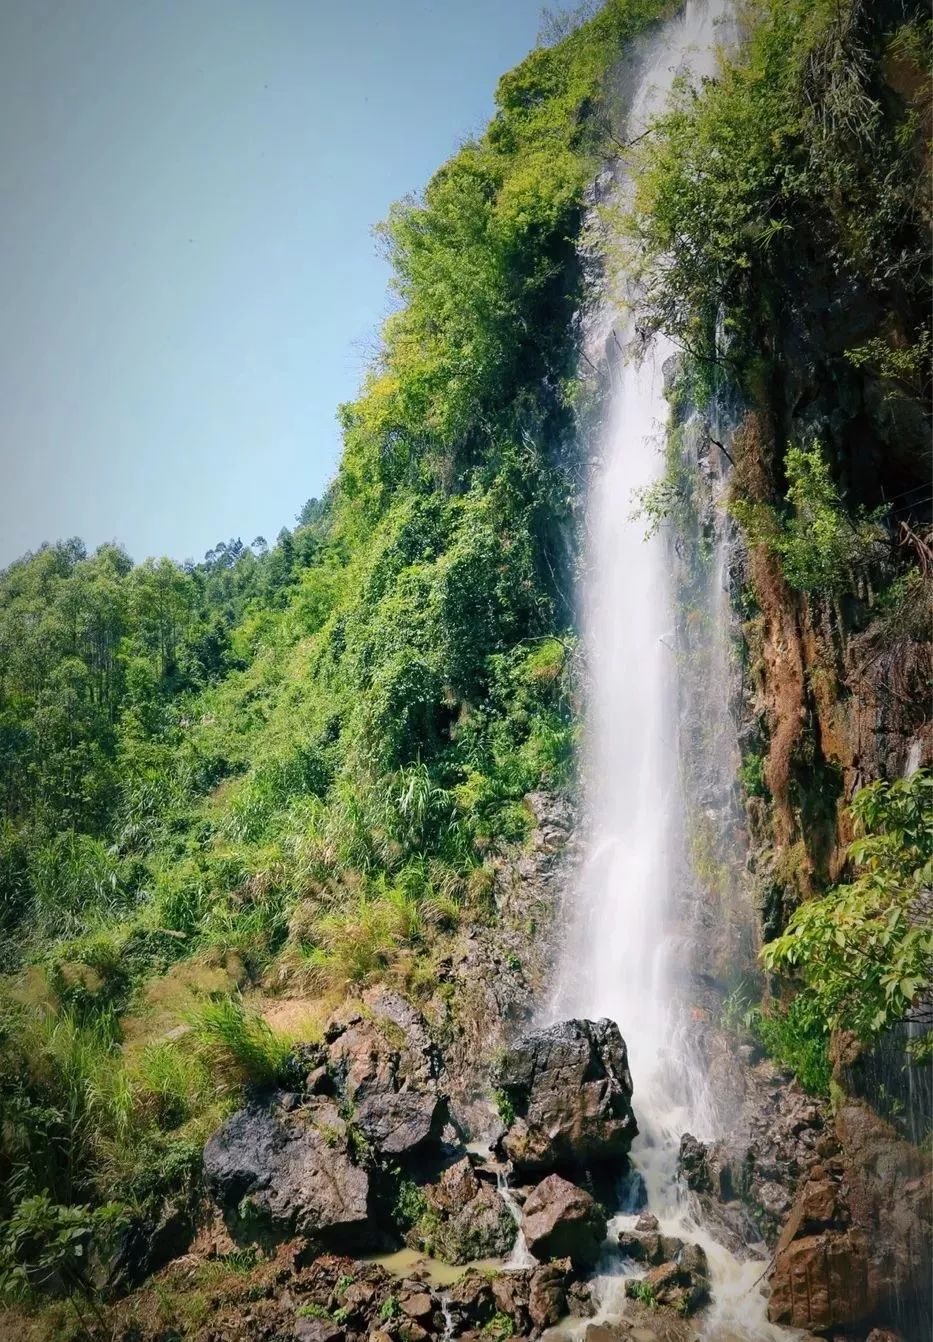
(820,546)
(864,952)
(45,1246)
(796,1035)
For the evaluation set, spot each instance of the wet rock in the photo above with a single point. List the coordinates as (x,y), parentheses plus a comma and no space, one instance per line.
(510,1291)
(681,1284)
(604,1332)
(693,1164)
(560,1220)
(532,1298)
(418,1305)
(547,1296)
(580,1300)
(857,1243)
(821,1281)
(570,1089)
(649,1246)
(470,1303)
(470,1219)
(293,1168)
(746,1181)
(403,1124)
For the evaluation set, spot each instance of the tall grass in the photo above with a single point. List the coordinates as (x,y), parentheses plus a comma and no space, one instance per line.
(238,1045)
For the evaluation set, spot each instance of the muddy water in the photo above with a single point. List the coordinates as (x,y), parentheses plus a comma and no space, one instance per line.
(410,1263)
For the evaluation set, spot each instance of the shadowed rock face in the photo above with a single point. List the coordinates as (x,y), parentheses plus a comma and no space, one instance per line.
(570,1088)
(402,1124)
(292,1167)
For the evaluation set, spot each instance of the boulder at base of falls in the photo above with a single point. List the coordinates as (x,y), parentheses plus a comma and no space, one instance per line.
(292,1167)
(569,1090)
(468,1218)
(681,1284)
(646,1244)
(533,1299)
(560,1220)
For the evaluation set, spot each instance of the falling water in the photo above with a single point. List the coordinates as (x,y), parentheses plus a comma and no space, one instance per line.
(520,1256)
(624,936)
(624,942)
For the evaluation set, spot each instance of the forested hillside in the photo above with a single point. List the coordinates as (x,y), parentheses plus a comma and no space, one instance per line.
(240,793)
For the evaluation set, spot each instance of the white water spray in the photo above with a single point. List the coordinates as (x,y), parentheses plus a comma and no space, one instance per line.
(624,936)
(625,944)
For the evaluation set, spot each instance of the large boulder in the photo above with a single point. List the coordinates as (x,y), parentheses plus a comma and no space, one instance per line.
(646,1244)
(468,1218)
(682,1284)
(402,1124)
(560,1220)
(293,1168)
(569,1091)
(382,1045)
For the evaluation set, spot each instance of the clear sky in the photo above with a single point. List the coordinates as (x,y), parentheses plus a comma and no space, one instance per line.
(188,280)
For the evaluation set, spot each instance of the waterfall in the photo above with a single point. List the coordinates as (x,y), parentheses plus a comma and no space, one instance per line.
(625,945)
(623,937)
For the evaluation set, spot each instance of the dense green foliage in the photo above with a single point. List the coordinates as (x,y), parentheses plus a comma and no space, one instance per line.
(864,952)
(800,149)
(820,546)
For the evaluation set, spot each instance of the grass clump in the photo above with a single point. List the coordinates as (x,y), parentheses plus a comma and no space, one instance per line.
(238,1046)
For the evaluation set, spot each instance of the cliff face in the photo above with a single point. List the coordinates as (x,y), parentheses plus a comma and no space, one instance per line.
(803,640)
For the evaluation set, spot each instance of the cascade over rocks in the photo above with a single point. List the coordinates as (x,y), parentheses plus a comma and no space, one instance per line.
(560,1220)
(746,1181)
(570,1089)
(682,1283)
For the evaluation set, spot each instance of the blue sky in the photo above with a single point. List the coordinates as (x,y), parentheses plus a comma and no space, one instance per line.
(188,280)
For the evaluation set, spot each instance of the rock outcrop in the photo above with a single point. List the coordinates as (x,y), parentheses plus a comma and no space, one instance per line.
(403,1125)
(380,1046)
(857,1244)
(560,1220)
(532,1298)
(570,1090)
(293,1169)
(746,1181)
